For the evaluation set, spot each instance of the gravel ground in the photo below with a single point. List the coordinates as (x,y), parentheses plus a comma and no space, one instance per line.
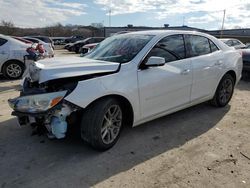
(201,146)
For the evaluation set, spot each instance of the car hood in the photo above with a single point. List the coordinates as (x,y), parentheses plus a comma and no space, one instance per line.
(66,67)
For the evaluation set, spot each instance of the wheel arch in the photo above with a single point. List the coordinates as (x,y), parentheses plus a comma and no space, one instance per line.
(232,73)
(125,103)
(9,60)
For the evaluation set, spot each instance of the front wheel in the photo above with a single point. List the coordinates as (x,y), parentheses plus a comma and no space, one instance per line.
(224,91)
(102,123)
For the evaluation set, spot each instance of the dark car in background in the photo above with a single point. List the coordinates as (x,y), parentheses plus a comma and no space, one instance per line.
(244,49)
(74,39)
(75,47)
(246,59)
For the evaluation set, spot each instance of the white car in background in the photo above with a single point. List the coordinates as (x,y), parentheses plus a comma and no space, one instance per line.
(233,43)
(127,79)
(12,54)
(49,52)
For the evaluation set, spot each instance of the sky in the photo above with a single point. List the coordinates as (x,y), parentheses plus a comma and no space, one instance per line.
(204,14)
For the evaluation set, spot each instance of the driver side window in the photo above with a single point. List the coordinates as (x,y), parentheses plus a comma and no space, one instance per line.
(171,48)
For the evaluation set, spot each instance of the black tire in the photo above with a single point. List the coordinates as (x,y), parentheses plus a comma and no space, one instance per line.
(13,69)
(224,91)
(94,121)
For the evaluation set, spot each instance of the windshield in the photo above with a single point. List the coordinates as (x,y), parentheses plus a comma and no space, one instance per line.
(120,48)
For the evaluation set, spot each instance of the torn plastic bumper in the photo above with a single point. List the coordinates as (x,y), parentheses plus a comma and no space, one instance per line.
(54,120)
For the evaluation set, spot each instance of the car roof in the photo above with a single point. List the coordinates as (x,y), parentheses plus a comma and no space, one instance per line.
(168,32)
(227,39)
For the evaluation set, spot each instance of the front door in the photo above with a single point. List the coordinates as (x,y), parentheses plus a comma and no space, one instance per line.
(165,87)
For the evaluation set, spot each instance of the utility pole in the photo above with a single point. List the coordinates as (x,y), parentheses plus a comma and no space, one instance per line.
(110,17)
(223,21)
(183,21)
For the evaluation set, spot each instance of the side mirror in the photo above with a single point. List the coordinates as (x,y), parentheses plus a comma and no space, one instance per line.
(154,61)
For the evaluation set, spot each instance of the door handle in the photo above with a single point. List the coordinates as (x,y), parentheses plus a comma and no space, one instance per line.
(218,63)
(185,72)
(2,53)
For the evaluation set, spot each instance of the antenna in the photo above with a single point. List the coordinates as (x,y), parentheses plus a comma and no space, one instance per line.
(110,17)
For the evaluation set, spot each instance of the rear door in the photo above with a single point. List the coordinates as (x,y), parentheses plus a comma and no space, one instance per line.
(165,87)
(207,60)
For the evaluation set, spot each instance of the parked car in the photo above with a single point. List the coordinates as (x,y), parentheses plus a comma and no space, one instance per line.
(45,39)
(22,40)
(234,43)
(49,52)
(248,46)
(75,47)
(12,54)
(127,79)
(59,40)
(67,46)
(87,48)
(74,39)
(242,49)
(246,60)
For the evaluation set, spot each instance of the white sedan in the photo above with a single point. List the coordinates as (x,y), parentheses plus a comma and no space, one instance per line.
(127,79)
(12,54)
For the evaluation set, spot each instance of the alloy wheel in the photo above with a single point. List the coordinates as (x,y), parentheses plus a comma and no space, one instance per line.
(111,124)
(14,70)
(226,91)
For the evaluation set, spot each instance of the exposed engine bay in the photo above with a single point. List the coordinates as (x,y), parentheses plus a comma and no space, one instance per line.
(56,119)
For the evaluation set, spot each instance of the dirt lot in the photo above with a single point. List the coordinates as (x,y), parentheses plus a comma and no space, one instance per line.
(201,146)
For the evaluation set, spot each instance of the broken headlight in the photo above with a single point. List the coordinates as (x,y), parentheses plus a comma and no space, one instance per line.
(36,103)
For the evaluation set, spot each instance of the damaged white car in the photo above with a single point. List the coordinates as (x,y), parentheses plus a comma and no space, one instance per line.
(127,79)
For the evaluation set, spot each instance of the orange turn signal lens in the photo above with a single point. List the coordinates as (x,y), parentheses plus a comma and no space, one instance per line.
(55,101)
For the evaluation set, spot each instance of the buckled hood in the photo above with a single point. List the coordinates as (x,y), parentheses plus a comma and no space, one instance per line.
(65,67)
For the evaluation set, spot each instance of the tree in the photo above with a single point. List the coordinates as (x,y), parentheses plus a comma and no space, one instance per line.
(8,27)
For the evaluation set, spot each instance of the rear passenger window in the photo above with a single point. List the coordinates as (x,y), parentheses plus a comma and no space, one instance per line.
(235,42)
(2,41)
(213,46)
(229,43)
(199,45)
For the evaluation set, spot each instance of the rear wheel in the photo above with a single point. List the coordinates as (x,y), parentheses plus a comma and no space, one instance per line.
(102,123)
(224,91)
(13,70)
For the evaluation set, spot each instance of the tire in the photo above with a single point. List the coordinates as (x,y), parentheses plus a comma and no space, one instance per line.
(99,128)
(224,91)
(13,69)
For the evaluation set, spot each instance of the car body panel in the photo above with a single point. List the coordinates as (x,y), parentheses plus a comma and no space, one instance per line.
(12,50)
(152,92)
(66,67)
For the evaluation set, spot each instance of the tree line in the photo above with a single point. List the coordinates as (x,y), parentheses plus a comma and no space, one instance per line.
(56,30)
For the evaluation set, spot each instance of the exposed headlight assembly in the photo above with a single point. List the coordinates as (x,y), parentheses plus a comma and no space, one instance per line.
(36,103)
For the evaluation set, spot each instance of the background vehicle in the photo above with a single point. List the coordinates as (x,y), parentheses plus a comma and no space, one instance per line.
(75,47)
(242,49)
(128,79)
(87,48)
(45,39)
(49,52)
(22,40)
(246,59)
(12,54)
(59,40)
(74,39)
(234,43)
